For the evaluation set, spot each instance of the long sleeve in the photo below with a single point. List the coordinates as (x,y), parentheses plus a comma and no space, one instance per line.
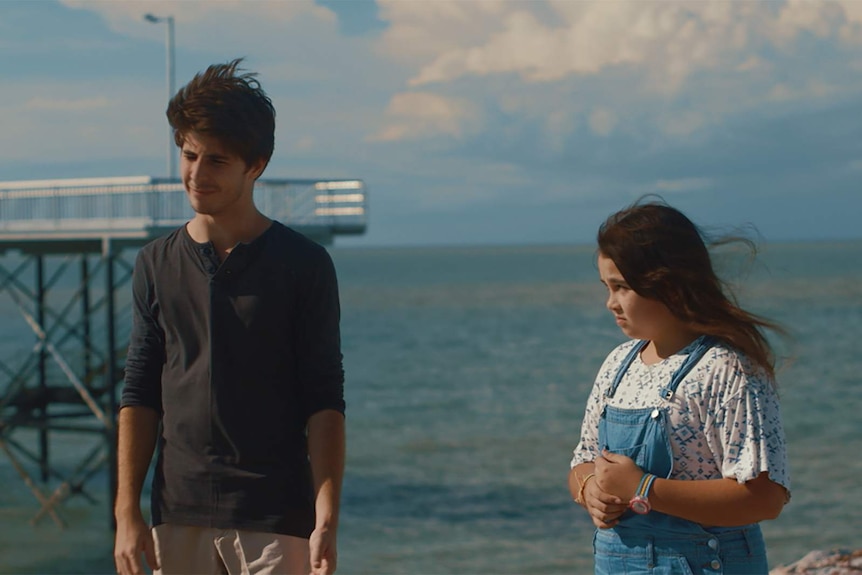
(319,358)
(146,354)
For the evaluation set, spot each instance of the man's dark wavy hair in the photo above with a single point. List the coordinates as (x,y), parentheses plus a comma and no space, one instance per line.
(229,105)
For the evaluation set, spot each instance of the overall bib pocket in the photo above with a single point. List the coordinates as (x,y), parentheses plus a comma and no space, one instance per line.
(640,434)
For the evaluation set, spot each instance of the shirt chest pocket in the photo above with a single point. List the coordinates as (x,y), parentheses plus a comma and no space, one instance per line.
(259,304)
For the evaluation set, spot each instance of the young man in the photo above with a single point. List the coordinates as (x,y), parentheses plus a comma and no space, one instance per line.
(235,350)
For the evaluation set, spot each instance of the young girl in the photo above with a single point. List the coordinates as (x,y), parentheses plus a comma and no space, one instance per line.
(682,449)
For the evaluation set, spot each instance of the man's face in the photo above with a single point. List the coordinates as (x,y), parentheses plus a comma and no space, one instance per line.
(217,181)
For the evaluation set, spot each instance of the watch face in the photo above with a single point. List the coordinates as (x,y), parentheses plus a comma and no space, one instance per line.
(640,505)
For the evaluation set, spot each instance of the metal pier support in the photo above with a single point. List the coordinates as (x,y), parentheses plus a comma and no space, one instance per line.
(61,367)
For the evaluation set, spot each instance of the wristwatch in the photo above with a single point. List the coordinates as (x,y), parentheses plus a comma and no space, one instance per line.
(640,502)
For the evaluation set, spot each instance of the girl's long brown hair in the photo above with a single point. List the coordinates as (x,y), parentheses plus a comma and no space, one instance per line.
(663,256)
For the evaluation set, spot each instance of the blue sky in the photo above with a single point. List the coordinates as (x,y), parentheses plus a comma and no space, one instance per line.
(474,122)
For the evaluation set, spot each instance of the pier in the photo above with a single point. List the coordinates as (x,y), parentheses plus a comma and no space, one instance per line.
(66,257)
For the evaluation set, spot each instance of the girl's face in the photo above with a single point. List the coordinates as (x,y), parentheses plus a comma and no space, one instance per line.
(637,316)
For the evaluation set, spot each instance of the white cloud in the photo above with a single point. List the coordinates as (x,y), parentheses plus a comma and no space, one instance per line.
(679,67)
(819,18)
(602,121)
(238,27)
(523,47)
(682,123)
(807,90)
(80,126)
(558,126)
(413,115)
(680,185)
(557,39)
(66,105)
(780,93)
(449,182)
(673,186)
(419,31)
(851,30)
(753,64)
(304,143)
(126,16)
(581,38)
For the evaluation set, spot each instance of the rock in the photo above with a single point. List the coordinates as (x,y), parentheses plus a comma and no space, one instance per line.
(835,562)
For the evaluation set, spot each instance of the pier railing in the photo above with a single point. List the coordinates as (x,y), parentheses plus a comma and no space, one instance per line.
(144,207)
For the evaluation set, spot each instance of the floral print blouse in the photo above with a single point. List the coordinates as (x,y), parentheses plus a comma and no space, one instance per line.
(724,420)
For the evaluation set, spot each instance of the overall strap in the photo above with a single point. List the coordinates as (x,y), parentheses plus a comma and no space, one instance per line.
(703,344)
(624,366)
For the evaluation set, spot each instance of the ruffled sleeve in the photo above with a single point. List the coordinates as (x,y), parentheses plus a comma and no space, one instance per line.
(747,433)
(588,447)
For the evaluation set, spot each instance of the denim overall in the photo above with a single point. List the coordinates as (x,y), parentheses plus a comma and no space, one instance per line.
(657,543)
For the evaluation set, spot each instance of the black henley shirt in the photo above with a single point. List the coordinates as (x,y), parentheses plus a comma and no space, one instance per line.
(235,357)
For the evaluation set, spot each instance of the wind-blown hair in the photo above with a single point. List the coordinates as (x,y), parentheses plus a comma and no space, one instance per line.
(663,256)
(228,105)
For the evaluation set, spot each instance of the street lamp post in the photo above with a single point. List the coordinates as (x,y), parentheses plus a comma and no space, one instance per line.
(169,40)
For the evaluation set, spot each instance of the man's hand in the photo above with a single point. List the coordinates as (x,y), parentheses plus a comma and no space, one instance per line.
(136,440)
(322,551)
(133,538)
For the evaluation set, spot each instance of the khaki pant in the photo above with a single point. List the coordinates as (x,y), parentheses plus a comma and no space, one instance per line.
(184,550)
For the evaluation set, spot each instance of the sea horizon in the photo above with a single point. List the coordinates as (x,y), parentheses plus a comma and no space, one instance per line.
(467,371)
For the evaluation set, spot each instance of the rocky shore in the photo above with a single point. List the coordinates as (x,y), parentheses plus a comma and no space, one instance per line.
(835,562)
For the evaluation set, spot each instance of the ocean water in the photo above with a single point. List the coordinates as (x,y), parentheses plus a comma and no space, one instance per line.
(467,371)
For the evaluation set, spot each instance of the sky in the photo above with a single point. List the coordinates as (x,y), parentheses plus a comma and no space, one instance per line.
(474,121)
